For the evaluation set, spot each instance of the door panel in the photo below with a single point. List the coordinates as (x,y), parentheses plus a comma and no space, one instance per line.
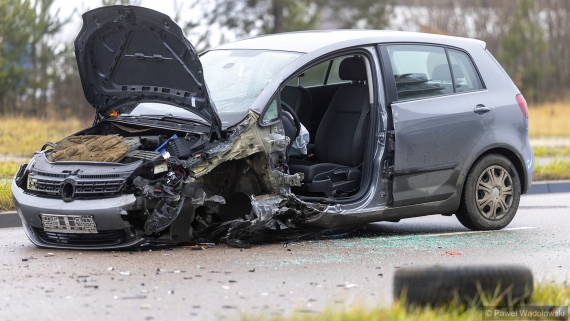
(433,138)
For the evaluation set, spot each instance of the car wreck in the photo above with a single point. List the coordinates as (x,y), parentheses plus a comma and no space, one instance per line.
(269,138)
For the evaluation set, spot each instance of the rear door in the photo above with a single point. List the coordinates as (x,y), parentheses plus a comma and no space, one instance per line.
(440,109)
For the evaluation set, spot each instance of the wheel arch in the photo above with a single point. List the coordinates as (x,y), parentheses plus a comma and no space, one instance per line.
(507,152)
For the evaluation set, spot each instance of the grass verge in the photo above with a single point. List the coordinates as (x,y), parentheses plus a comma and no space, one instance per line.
(556,170)
(546,294)
(543,151)
(24,135)
(549,119)
(8,169)
(6,199)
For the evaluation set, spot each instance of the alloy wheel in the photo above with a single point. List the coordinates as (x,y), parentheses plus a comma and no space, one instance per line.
(494,192)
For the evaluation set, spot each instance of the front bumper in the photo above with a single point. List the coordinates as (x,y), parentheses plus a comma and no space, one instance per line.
(107,214)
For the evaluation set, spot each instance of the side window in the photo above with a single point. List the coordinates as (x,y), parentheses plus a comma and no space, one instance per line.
(466,77)
(333,76)
(314,76)
(271,114)
(420,71)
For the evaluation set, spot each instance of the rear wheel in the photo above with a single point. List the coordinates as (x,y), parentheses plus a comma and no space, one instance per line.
(491,194)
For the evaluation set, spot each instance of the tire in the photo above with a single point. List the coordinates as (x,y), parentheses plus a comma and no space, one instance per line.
(490,203)
(438,286)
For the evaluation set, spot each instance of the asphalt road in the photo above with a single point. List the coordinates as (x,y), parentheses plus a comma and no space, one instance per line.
(350,266)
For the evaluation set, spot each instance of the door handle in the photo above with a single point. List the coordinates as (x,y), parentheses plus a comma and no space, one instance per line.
(481,109)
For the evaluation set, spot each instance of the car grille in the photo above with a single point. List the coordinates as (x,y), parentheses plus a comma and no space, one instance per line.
(83,188)
(110,237)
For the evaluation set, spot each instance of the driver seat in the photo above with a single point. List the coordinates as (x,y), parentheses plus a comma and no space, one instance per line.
(340,138)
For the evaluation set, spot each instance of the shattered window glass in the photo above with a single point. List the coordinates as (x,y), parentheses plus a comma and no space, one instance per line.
(236,77)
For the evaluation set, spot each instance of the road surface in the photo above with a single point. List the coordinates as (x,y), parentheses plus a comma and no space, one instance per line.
(349,266)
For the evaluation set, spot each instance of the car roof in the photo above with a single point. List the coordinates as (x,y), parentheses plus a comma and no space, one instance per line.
(308,41)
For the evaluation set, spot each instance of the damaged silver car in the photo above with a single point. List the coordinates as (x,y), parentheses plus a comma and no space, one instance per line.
(274,137)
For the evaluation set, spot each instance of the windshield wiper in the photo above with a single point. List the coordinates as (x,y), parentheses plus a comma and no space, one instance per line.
(171,118)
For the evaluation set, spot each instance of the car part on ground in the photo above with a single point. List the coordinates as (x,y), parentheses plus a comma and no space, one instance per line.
(491,194)
(490,285)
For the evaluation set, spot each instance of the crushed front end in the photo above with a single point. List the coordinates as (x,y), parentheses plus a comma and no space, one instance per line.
(119,184)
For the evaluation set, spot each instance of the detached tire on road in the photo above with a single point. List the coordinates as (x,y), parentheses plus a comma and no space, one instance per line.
(438,285)
(491,194)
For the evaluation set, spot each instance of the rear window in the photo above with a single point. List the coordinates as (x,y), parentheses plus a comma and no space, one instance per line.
(466,77)
(422,71)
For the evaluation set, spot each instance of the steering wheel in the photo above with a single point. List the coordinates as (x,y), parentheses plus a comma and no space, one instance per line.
(288,109)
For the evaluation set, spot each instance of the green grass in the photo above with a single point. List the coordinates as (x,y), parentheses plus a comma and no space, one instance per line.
(6,200)
(556,170)
(543,151)
(546,294)
(8,169)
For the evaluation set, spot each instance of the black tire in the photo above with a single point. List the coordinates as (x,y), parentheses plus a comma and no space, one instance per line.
(474,218)
(437,286)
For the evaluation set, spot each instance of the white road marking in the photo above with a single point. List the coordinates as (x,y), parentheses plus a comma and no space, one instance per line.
(473,232)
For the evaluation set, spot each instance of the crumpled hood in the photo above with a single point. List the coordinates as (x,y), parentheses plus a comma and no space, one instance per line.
(129,54)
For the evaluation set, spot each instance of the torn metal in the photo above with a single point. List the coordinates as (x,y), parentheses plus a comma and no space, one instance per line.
(193,188)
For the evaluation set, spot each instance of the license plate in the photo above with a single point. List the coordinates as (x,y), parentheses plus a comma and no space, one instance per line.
(69,223)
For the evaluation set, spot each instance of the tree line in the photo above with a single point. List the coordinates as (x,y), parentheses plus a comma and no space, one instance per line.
(530,38)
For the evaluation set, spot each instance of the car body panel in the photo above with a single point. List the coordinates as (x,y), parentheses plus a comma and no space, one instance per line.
(133,54)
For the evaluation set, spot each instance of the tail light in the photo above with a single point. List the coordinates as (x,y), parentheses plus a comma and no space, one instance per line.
(522,105)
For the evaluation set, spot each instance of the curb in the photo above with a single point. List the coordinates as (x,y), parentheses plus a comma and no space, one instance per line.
(546,187)
(11,219)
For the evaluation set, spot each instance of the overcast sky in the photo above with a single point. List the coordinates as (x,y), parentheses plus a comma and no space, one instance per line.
(77,7)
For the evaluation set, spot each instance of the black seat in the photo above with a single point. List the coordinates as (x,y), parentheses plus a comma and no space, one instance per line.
(299,99)
(340,138)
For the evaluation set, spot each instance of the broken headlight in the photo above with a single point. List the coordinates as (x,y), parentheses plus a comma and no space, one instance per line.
(32,182)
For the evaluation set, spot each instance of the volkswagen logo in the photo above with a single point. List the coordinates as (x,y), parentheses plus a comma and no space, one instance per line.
(68,190)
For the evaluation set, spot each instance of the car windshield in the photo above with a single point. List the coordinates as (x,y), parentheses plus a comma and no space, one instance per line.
(236,77)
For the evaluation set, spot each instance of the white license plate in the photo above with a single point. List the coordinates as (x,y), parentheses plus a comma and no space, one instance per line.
(69,223)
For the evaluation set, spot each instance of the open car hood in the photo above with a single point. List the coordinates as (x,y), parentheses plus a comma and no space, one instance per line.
(129,54)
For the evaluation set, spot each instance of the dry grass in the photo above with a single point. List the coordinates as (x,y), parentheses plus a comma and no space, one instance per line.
(552,119)
(23,135)
(545,294)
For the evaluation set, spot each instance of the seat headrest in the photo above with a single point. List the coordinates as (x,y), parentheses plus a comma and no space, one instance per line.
(441,72)
(352,68)
(457,71)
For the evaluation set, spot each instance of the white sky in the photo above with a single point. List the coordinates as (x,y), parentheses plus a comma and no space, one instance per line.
(75,8)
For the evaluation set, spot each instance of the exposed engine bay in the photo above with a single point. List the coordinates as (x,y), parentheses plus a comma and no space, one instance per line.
(189,186)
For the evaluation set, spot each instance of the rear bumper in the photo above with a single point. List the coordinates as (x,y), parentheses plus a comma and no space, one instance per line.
(528,158)
(107,214)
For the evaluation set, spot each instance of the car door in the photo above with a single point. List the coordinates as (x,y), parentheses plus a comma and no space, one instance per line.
(438,112)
